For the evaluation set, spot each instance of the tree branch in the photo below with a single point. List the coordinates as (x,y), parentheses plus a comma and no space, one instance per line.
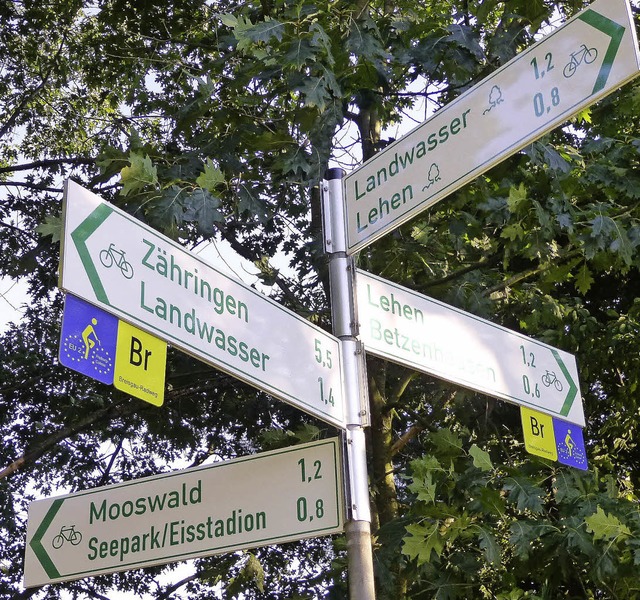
(406,437)
(30,186)
(236,245)
(27,593)
(14,228)
(483,262)
(91,593)
(51,162)
(25,101)
(105,475)
(48,443)
(176,586)
(518,277)
(400,388)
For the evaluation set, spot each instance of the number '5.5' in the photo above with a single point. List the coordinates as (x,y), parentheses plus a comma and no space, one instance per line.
(326,360)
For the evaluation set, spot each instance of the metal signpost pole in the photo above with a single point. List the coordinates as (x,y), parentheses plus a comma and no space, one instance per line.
(341,276)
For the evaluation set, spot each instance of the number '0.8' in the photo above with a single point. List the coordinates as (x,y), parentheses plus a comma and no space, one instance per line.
(539,106)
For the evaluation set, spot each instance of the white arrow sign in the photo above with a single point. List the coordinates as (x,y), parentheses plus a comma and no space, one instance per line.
(587,58)
(432,337)
(114,261)
(267,498)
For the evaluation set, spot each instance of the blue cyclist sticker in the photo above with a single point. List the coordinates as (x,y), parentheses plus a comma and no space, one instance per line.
(88,339)
(570,444)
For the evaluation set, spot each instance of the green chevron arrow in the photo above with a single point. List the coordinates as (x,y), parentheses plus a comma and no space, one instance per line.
(573,388)
(36,541)
(80,235)
(616,32)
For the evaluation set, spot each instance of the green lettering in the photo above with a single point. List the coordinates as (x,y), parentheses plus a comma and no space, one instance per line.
(92,546)
(152,247)
(99,515)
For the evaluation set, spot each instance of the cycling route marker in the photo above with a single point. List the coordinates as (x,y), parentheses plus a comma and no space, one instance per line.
(141,364)
(570,444)
(99,345)
(88,339)
(268,498)
(115,262)
(429,336)
(553,438)
(582,61)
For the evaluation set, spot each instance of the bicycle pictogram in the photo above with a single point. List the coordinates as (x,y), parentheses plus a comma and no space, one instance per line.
(584,54)
(550,378)
(110,256)
(67,534)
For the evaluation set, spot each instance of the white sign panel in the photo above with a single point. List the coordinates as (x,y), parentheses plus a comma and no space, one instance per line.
(432,337)
(114,261)
(267,498)
(587,58)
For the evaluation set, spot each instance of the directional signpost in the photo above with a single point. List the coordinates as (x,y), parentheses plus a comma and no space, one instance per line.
(587,58)
(267,498)
(126,270)
(117,263)
(429,336)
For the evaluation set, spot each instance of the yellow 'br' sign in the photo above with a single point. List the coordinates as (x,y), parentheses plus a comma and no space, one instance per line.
(141,361)
(539,437)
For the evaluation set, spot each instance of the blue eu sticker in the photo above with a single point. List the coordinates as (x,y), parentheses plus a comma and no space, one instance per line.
(570,444)
(88,339)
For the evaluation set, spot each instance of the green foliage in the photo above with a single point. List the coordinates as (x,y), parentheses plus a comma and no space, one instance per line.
(140,174)
(481,459)
(211,178)
(251,575)
(606,527)
(51,226)
(546,532)
(214,121)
